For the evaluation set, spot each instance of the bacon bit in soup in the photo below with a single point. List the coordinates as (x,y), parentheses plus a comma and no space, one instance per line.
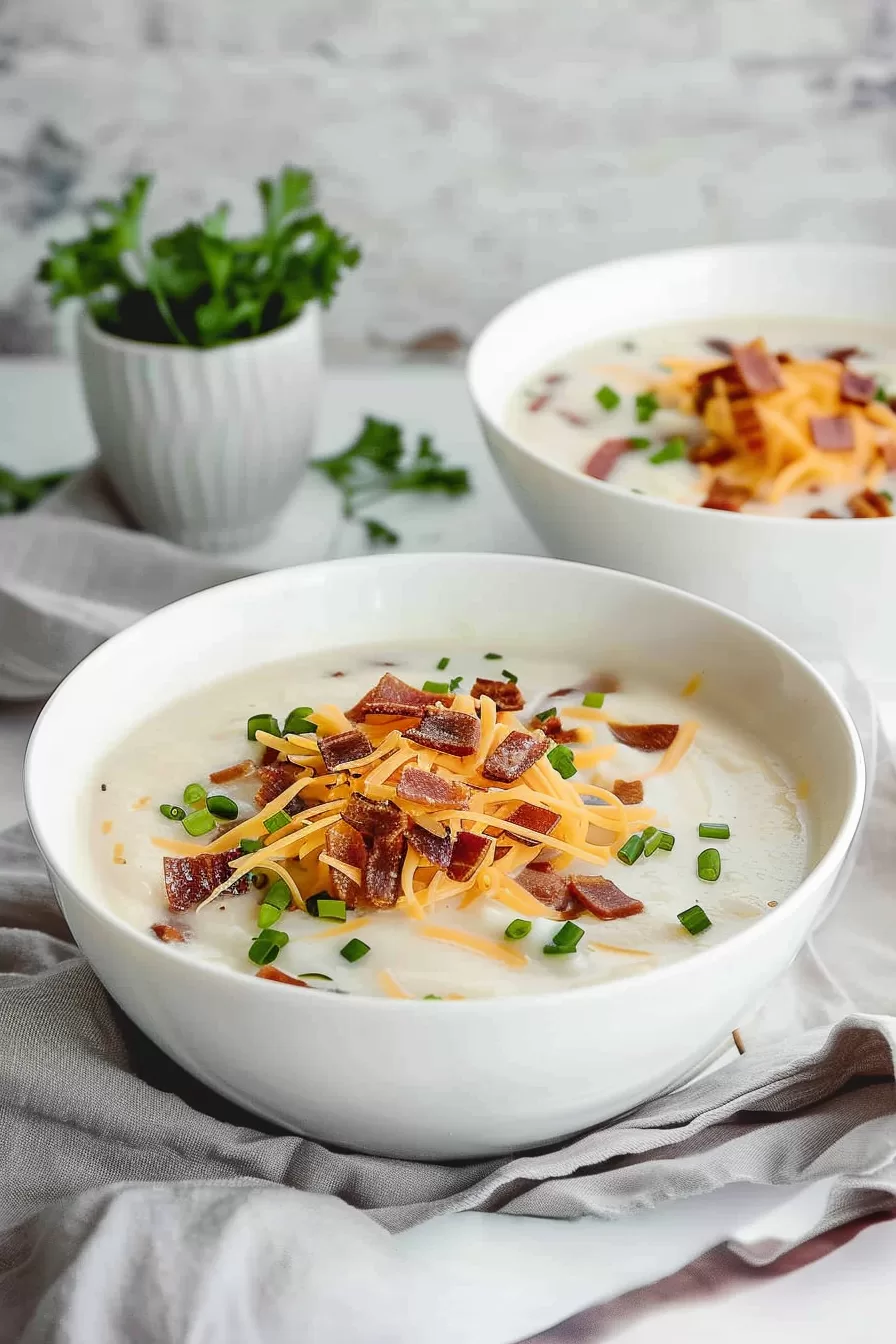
(549,887)
(572,418)
(373,818)
(281,977)
(629,791)
(855,388)
(345,844)
(645,736)
(554,729)
(448,731)
(759,371)
(534,818)
(341,748)
(604,683)
(821,513)
(843,354)
(436,849)
(232,772)
(719,346)
(392,697)
(725,497)
(711,452)
(603,898)
(832,433)
(382,880)
(191,880)
(749,431)
(870,504)
(506,694)
(514,756)
(167,933)
(538,403)
(420,786)
(467,855)
(603,459)
(274,779)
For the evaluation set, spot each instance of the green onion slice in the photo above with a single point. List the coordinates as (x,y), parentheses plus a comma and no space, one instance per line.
(562,760)
(714,830)
(326,908)
(267,915)
(632,850)
(354,950)
(667,840)
(547,714)
(552,950)
(508,676)
(277,821)
(432,996)
(314,975)
(652,843)
(199,823)
(638,444)
(266,946)
(265,723)
(436,687)
(709,865)
(593,700)
(279,895)
(518,928)
(172,811)
(673,450)
(223,807)
(607,397)
(251,846)
(646,407)
(442,664)
(568,936)
(695,919)
(194,795)
(492,657)
(297,721)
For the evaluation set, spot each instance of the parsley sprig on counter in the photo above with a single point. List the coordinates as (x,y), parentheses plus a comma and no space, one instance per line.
(18,493)
(377,465)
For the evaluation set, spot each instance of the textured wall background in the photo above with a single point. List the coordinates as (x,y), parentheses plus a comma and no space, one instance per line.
(476,147)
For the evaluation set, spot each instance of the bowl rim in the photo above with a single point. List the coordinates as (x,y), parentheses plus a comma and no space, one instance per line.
(829,864)
(831,252)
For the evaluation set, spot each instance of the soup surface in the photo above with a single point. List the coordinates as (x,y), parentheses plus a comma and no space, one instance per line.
(558,412)
(447,935)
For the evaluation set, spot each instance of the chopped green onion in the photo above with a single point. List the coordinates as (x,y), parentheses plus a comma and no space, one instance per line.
(279,895)
(266,946)
(354,950)
(652,843)
(714,830)
(673,450)
(568,936)
(454,683)
(221,806)
(297,721)
(442,664)
(325,908)
(607,397)
(695,919)
(551,950)
(646,407)
(267,915)
(278,820)
(194,795)
(199,823)
(648,832)
(667,840)
(518,928)
(492,656)
(509,676)
(547,714)
(251,846)
(432,996)
(632,850)
(709,865)
(314,975)
(563,761)
(593,700)
(436,687)
(881,393)
(638,444)
(262,723)
(311,902)
(172,811)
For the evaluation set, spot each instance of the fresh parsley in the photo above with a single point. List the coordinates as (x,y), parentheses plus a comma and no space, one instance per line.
(197,285)
(18,493)
(377,464)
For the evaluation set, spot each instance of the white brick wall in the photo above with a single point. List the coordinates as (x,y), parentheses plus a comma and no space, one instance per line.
(476,147)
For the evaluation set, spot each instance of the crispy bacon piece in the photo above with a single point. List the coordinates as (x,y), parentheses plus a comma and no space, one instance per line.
(603,459)
(759,371)
(629,791)
(821,513)
(232,772)
(167,933)
(513,757)
(555,730)
(373,818)
(719,345)
(436,849)
(339,749)
(843,354)
(500,851)
(392,696)
(870,504)
(534,818)
(506,694)
(603,898)
(855,388)
(726,497)
(345,843)
(538,403)
(420,786)
(706,385)
(549,887)
(832,433)
(272,973)
(712,452)
(572,418)
(382,880)
(274,779)
(270,756)
(605,682)
(446,730)
(466,856)
(189,880)
(644,736)
(748,427)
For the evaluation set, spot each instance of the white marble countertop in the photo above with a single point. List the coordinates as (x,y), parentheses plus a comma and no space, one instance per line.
(43,427)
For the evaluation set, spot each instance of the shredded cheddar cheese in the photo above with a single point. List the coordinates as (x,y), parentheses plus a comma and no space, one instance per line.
(472,942)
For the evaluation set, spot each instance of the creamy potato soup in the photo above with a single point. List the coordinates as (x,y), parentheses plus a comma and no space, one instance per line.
(774,416)
(444,823)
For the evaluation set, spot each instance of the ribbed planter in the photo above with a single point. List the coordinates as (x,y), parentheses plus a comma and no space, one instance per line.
(204,446)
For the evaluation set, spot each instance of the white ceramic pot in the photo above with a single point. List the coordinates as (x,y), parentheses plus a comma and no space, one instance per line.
(444,1080)
(818,587)
(204,446)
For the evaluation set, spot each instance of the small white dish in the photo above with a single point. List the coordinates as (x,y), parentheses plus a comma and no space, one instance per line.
(447,1079)
(818,587)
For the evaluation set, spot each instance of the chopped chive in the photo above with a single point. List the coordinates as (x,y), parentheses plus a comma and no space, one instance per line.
(199,823)
(325,908)
(493,656)
(646,407)
(442,664)
(638,444)
(695,919)
(880,393)
(267,915)
(251,846)
(354,950)
(518,928)
(562,760)
(221,806)
(297,721)
(314,975)
(278,820)
(673,450)
(312,902)
(262,723)
(648,832)
(709,865)
(607,397)
(632,850)
(714,830)
(454,683)
(547,714)
(266,946)
(667,840)
(593,700)
(509,676)
(172,811)
(279,895)
(652,843)
(568,936)
(551,950)
(436,687)
(432,996)
(194,795)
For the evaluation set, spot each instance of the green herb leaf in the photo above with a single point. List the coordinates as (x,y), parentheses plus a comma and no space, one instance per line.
(646,407)
(562,760)
(454,683)
(18,493)
(672,451)
(379,532)
(607,397)
(637,444)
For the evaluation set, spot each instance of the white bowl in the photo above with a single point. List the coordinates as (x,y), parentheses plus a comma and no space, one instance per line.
(819,587)
(445,1080)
